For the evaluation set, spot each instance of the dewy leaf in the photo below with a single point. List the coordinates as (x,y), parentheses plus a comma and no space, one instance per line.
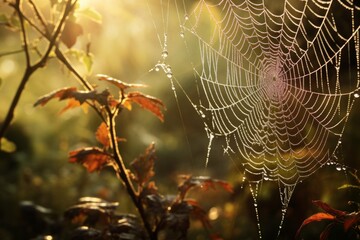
(118,83)
(102,135)
(315,218)
(91,158)
(70,33)
(149,103)
(90,13)
(144,166)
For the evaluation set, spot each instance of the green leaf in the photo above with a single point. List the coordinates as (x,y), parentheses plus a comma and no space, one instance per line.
(7,146)
(90,13)
(15,22)
(3,19)
(87,60)
(346,186)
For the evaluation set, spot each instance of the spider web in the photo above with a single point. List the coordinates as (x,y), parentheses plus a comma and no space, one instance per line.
(277,81)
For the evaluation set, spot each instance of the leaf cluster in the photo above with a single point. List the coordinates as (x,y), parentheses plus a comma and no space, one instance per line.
(348,221)
(97,219)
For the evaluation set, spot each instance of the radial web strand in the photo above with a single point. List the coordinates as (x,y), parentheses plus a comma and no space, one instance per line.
(277,80)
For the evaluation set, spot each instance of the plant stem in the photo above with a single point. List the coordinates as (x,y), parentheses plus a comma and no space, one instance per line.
(123,174)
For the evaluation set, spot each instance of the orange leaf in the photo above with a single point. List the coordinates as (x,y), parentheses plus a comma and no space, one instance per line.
(102,135)
(120,84)
(127,104)
(70,33)
(315,218)
(149,103)
(72,103)
(91,158)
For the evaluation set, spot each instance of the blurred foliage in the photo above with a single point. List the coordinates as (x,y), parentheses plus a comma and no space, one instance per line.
(125,45)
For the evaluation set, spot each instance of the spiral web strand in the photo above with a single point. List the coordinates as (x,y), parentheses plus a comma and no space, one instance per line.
(276,79)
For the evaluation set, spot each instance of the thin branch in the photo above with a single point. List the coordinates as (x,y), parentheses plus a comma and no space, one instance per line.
(11,52)
(31,69)
(64,60)
(38,14)
(60,56)
(23,32)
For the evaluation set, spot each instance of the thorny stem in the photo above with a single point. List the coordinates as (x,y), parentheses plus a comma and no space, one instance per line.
(30,69)
(125,177)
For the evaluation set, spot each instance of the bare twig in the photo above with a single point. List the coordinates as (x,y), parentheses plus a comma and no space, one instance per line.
(11,52)
(30,69)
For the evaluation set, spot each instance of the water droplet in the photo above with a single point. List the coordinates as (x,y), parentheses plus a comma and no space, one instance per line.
(356,95)
(337,68)
(164,54)
(157,68)
(169,74)
(266,177)
(339,142)
(338,168)
(255,204)
(186,17)
(343,168)
(168,68)
(182,34)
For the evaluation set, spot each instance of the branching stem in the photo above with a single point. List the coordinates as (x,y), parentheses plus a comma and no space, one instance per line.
(125,177)
(30,69)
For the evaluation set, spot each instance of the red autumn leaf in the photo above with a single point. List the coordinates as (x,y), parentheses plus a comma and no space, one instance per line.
(70,33)
(102,135)
(328,209)
(144,166)
(149,103)
(120,84)
(351,220)
(315,218)
(91,158)
(203,182)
